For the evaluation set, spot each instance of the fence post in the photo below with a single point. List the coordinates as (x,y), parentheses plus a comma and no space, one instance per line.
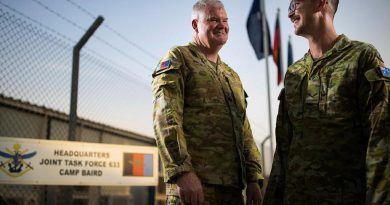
(74,93)
(75,77)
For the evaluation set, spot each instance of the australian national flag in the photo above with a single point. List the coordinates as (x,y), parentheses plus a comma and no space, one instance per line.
(254,26)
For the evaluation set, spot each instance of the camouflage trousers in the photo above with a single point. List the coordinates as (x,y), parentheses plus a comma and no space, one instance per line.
(213,195)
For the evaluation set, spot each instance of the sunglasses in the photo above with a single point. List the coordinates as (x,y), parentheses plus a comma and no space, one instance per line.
(292,7)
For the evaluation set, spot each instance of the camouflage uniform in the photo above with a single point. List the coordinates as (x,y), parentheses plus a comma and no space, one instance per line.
(333,130)
(200,120)
(215,195)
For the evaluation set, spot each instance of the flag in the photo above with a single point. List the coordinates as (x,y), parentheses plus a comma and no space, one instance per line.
(254,26)
(135,164)
(290,57)
(277,50)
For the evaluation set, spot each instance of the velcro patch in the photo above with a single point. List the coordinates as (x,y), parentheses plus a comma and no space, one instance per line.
(163,65)
(385,72)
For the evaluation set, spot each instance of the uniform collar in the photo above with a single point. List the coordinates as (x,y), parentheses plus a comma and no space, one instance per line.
(342,43)
(195,50)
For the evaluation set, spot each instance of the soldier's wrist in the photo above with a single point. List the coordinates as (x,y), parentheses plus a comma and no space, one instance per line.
(177,176)
(258,181)
(172,173)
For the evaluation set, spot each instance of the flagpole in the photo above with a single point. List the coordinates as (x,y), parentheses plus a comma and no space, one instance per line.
(266,54)
(281,47)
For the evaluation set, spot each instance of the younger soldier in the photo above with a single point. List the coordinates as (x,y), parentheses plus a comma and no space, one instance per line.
(332,129)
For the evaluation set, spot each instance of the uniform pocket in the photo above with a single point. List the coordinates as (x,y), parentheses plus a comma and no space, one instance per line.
(202,89)
(340,88)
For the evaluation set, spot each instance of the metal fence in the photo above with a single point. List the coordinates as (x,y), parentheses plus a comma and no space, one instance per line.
(36,68)
(35,76)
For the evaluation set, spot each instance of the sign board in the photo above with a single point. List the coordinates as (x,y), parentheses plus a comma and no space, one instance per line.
(51,162)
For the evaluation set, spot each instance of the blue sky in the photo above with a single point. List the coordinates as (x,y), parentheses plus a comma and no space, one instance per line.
(157,25)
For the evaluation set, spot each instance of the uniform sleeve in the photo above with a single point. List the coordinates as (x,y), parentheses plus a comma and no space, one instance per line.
(375,95)
(168,88)
(252,155)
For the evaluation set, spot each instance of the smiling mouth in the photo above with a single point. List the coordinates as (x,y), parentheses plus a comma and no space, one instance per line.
(219,33)
(295,21)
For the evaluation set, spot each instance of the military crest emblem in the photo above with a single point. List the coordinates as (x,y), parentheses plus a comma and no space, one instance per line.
(14,162)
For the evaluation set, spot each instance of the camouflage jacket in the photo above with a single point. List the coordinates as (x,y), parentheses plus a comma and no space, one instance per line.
(200,120)
(333,130)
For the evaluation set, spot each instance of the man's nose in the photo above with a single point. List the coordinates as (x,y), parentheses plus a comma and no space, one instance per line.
(291,14)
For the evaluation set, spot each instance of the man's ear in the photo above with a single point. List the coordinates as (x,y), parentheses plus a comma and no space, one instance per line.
(321,4)
(195,25)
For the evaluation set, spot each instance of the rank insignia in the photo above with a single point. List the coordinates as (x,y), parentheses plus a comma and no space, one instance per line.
(385,72)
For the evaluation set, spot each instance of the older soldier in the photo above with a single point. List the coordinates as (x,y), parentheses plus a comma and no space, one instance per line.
(332,129)
(203,134)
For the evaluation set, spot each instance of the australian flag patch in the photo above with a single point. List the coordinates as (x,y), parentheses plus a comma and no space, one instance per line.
(385,72)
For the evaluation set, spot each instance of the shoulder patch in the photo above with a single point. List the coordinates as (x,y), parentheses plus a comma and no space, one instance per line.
(377,74)
(163,65)
(385,72)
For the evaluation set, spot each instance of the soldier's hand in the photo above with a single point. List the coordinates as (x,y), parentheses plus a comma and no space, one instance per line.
(190,188)
(253,194)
